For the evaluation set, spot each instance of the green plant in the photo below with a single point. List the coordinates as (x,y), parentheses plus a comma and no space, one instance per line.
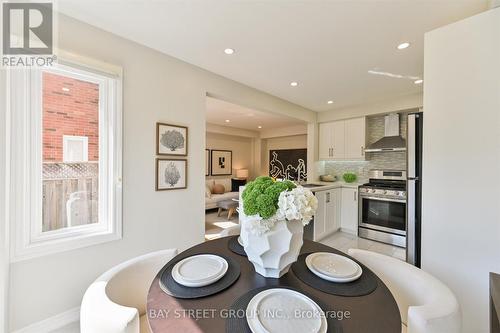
(349,177)
(261,196)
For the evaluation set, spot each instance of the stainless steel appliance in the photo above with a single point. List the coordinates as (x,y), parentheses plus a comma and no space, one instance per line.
(414,187)
(392,140)
(382,207)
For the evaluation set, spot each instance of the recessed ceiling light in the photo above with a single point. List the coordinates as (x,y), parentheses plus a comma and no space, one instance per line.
(227,120)
(259,127)
(228,51)
(419,81)
(65,89)
(403,45)
(294,83)
(330,102)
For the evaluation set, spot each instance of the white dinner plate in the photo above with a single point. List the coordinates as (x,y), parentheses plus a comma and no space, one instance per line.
(199,270)
(240,241)
(281,310)
(333,267)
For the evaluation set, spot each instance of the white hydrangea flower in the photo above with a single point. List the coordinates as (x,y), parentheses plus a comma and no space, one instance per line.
(257,225)
(297,204)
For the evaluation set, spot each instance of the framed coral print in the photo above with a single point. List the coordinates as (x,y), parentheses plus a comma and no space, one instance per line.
(171,174)
(171,140)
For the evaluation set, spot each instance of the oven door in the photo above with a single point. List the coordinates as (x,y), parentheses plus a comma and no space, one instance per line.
(383,214)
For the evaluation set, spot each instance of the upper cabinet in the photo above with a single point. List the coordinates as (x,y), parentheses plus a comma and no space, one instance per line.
(342,140)
(355,136)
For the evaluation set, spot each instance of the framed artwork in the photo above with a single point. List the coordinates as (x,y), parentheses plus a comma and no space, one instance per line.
(207,162)
(171,139)
(222,163)
(288,164)
(171,174)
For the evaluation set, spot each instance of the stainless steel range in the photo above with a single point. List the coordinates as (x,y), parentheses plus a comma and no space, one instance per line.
(382,207)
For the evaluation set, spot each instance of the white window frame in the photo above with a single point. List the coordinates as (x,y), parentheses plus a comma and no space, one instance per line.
(26,146)
(85,144)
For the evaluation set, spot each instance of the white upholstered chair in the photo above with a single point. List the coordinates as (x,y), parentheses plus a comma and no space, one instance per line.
(425,303)
(231,231)
(116,301)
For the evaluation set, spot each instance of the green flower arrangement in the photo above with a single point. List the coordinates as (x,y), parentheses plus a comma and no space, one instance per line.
(261,196)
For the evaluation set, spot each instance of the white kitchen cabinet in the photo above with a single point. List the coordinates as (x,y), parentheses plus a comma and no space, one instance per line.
(326,220)
(342,140)
(349,210)
(338,140)
(355,136)
(325,141)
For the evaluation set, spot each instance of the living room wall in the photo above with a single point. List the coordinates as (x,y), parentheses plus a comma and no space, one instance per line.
(242,148)
(156,87)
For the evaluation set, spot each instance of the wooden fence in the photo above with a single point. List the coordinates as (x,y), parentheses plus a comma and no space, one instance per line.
(69,202)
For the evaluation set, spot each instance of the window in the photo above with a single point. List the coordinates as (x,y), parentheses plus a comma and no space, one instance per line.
(66,157)
(75,148)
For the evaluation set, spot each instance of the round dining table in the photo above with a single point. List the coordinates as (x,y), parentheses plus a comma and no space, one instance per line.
(376,312)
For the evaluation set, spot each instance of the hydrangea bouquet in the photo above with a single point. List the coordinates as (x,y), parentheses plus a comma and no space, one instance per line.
(273,220)
(266,201)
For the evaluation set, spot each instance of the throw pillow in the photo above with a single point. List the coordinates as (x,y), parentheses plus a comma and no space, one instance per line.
(208,191)
(218,189)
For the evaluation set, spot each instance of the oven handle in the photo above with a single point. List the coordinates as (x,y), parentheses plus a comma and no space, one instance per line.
(383,199)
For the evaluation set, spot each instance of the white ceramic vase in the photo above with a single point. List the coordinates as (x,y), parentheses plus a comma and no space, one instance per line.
(273,252)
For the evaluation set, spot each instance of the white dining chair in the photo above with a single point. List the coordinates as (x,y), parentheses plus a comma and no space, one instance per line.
(116,301)
(425,303)
(231,231)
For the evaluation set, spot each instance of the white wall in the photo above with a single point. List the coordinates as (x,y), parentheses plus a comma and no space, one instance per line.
(214,128)
(461,182)
(4,227)
(156,88)
(398,104)
(284,131)
(241,147)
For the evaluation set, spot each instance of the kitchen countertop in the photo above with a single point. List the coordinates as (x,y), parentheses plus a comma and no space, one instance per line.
(331,185)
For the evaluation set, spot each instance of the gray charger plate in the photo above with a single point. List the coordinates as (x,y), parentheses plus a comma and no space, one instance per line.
(236,247)
(365,285)
(238,324)
(172,288)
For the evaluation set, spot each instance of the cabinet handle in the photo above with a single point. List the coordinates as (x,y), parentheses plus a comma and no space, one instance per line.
(362,151)
(355,196)
(327,197)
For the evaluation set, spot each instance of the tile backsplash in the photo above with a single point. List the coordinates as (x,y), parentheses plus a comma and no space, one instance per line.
(386,160)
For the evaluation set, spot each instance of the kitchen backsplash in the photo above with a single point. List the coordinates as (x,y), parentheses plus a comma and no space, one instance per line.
(386,160)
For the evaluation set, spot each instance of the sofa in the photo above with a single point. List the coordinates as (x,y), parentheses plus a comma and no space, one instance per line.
(211,199)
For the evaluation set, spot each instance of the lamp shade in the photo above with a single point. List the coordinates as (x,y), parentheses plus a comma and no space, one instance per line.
(242,173)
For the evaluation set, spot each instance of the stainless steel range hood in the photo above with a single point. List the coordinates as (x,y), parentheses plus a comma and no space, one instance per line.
(392,141)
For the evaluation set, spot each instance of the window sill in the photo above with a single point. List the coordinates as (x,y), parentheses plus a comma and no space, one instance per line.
(45,248)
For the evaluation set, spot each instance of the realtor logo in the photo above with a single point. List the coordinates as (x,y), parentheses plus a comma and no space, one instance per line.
(27,34)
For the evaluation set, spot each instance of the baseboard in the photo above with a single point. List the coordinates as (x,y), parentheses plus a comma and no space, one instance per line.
(53,323)
(349,231)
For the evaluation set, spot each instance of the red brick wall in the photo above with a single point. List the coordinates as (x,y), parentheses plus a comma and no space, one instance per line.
(73,112)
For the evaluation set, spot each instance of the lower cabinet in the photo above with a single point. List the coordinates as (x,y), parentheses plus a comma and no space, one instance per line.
(327,218)
(349,210)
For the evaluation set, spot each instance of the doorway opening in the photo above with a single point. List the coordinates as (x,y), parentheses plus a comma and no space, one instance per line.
(242,144)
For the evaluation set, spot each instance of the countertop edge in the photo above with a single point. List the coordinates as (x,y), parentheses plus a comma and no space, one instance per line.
(332,185)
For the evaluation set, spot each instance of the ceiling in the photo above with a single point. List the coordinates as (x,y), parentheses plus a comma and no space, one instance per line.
(219,111)
(328,47)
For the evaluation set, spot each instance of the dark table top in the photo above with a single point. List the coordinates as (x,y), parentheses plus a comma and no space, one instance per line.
(373,313)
